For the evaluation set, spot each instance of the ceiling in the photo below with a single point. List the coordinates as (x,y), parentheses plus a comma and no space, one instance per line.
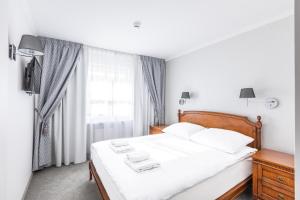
(170,28)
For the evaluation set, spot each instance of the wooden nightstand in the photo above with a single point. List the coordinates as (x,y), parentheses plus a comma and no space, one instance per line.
(273,175)
(157,129)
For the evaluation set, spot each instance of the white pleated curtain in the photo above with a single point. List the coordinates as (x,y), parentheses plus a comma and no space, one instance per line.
(143,106)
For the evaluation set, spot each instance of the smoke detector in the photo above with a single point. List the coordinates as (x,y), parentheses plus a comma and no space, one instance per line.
(137,24)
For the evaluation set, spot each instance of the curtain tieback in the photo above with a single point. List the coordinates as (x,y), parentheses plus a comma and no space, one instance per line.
(44,123)
(45,128)
(38,113)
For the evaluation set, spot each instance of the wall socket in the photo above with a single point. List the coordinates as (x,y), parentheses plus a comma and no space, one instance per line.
(12,52)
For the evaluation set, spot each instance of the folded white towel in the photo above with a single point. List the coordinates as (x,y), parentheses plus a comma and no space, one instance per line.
(143,165)
(138,156)
(121,149)
(119,143)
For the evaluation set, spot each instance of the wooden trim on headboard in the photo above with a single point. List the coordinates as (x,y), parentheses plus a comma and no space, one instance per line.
(237,123)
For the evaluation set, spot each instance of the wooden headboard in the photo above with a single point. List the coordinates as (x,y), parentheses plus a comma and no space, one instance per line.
(225,121)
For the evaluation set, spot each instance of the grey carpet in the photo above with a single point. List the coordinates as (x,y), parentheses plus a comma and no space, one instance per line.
(71,183)
(64,183)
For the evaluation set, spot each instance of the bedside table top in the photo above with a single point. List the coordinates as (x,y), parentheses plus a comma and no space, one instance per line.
(157,129)
(275,157)
(161,126)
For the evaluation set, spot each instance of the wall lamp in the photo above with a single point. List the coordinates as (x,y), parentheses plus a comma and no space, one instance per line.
(29,46)
(247,93)
(184,97)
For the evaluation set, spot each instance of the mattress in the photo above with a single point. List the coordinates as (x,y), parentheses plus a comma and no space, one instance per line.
(219,184)
(225,180)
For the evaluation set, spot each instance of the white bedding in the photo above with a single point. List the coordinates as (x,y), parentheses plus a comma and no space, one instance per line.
(183,165)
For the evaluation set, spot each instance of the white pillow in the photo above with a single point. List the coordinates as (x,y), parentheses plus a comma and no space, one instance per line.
(221,139)
(183,129)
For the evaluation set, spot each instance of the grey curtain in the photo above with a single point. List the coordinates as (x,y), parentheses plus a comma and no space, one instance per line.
(154,70)
(59,62)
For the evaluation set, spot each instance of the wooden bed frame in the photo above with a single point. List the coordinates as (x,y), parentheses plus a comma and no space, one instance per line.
(211,120)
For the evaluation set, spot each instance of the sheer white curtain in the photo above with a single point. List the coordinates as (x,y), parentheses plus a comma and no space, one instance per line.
(110,94)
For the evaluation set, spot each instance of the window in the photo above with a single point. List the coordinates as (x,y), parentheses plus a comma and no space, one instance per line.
(110,85)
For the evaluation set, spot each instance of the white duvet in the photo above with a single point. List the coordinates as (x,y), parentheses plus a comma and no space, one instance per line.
(183,165)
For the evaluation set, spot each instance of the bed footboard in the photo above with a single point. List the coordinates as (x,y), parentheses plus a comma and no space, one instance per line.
(93,173)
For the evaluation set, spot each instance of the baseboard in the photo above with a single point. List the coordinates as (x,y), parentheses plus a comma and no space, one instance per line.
(27,186)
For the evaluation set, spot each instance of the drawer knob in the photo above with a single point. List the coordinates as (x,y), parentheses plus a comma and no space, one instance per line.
(280,179)
(280,196)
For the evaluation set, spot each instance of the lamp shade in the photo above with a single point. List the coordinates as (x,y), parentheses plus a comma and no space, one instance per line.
(30,46)
(185,95)
(247,93)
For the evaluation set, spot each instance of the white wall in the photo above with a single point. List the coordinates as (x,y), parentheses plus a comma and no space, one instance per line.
(297,91)
(19,112)
(3,93)
(262,59)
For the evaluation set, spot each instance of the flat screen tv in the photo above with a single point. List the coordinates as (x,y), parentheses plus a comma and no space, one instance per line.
(32,77)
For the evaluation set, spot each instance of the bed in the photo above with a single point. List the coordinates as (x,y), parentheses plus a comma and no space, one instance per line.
(228,183)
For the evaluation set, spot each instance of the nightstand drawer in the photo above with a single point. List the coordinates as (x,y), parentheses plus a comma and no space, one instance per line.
(278,189)
(277,177)
(272,193)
